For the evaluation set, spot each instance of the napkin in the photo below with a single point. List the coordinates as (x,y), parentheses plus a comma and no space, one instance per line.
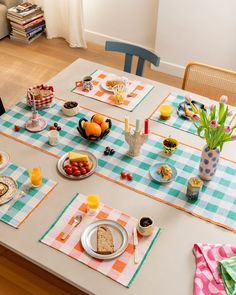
(227,268)
(207,277)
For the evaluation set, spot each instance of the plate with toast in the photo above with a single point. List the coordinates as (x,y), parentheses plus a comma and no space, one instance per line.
(105,239)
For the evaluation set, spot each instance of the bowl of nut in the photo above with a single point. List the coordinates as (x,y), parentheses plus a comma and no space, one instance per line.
(70,108)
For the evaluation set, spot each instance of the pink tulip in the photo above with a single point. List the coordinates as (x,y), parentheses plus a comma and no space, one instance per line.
(213,124)
(227,129)
(224,98)
(196,117)
(212,107)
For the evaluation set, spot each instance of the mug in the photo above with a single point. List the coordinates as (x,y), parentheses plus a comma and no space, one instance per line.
(86,83)
(53,137)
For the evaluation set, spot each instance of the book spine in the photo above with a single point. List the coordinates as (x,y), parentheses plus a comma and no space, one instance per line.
(31,34)
(32,28)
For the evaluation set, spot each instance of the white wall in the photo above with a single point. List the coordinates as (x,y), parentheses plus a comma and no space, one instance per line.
(132,21)
(203,30)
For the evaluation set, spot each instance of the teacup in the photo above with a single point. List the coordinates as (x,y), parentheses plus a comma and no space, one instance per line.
(145,226)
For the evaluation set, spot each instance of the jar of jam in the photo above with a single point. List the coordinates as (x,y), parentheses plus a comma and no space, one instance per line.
(194,188)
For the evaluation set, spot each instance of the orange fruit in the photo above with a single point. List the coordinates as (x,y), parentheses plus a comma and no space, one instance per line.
(92,129)
(104,126)
(97,118)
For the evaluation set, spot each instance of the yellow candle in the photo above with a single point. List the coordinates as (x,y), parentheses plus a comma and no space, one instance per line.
(35,175)
(93,201)
(166,111)
(126,124)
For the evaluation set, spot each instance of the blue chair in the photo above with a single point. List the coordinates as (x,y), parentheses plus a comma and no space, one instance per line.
(2,109)
(131,50)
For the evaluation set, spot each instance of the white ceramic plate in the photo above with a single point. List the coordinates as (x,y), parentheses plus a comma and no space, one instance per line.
(5,161)
(12,189)
(89,239)
(104,85)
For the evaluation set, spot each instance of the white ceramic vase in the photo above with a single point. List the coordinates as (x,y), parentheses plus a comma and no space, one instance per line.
(209,162)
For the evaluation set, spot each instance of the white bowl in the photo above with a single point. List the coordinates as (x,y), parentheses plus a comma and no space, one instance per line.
(70,112)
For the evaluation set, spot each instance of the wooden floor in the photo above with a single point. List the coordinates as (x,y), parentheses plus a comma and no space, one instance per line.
(22,66)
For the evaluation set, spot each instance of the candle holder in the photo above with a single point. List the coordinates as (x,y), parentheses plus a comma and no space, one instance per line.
(135,140)
(35,123)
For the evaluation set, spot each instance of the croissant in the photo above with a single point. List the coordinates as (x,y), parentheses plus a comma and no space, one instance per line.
(187,111)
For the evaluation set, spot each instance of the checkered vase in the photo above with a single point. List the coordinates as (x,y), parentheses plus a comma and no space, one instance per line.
(209,162)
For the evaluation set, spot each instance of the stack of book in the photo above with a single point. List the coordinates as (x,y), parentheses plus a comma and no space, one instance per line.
(27,22)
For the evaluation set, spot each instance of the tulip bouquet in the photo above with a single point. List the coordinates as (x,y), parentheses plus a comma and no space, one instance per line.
(213,124)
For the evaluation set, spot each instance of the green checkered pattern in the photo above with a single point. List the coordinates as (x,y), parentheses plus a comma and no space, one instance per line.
(217,200)
(175,121)
(14,212)
(227,269)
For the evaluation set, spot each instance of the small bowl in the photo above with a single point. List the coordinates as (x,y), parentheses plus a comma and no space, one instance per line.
(70,108)
(170,149)
(145,226)
(82,132)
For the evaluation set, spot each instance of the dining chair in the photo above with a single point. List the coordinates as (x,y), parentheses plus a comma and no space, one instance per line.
(210,81)
(2,109)
(133,50)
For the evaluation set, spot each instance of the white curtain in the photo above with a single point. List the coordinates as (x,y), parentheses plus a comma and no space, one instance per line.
(64,18)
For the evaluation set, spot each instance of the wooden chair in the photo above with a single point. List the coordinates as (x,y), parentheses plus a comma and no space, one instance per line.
(2,109)
(210,81)
(131,50)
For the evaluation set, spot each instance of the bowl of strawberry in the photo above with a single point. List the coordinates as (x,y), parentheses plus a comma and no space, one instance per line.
(77,165)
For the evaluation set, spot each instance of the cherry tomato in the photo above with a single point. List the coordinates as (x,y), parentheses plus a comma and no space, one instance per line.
(87,169)
(81,164)
(83,171)
(68,166)
(129,176)
(123,174)
(86,166)
(74,168)
(76,164)
(76,173)
(68,171)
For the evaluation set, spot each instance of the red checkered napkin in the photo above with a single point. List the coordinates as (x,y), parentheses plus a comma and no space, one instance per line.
(122,269)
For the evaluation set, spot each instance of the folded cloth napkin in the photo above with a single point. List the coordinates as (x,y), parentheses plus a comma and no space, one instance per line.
(207,277)
(227,269)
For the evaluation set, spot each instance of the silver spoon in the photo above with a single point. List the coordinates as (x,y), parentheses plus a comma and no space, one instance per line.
(77,220)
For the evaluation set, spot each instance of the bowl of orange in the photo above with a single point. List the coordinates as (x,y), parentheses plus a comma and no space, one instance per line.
(94,130)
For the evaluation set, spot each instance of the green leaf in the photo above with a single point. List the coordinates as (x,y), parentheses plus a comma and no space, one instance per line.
(221,111)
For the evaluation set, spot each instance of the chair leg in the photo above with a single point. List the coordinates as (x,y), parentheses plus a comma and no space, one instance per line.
(2,109)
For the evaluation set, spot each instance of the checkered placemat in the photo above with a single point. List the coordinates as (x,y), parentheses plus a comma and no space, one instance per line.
(138,90)
(216,203)
(15,212)
(121,269)
(175,121)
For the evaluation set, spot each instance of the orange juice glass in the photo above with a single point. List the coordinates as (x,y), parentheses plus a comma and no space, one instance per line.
(166,111)
(35,175)
(93,204)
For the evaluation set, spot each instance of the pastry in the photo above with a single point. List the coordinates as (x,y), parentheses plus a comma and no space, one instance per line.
(36,93)
(187,111)
(45,92)
(105,241)
(3,189)
(76,157)
(165,171)
(111,83)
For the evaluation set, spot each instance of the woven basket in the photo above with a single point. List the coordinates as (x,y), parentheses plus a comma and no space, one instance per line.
(41,103)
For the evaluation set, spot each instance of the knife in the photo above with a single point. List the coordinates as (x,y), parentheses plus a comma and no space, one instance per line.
(135,236)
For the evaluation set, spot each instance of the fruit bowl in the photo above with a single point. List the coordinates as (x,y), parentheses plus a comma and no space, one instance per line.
(94,130)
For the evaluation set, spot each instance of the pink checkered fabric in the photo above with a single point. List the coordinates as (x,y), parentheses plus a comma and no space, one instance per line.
(207,277)
(44,102)
(122,269)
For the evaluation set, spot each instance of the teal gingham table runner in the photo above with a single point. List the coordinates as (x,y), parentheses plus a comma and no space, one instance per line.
(216,204)
(227,269)
(175,121)
(16,213)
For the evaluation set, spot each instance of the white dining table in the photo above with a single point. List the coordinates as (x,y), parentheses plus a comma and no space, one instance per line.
(170,265)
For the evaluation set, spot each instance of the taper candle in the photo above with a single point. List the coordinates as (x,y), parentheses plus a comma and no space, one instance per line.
(138,125)
(146,123)
(126,124)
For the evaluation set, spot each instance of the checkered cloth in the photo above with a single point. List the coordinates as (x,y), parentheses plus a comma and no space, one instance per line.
(216,202)
(175,121)
(227,269)
(16,213)
(121,269)
(137,89)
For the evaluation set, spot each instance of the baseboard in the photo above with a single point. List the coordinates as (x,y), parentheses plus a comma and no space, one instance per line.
(101,39)
(170,68)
